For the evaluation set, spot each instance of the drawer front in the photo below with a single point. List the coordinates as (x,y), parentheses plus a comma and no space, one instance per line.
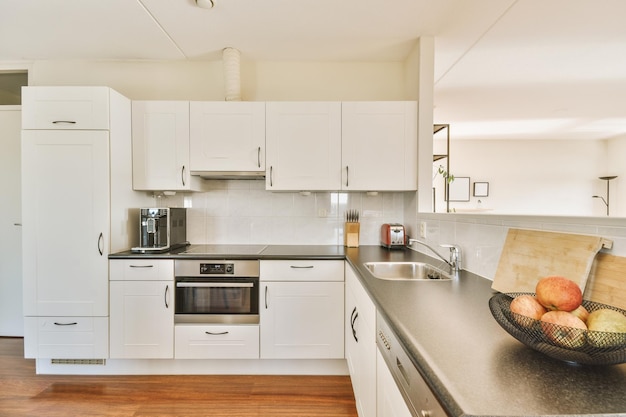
(66,337)
(141,270)
(302,270)
(216,341)
(85,108)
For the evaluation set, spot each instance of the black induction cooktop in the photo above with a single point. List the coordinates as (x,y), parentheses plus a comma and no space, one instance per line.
(232,250)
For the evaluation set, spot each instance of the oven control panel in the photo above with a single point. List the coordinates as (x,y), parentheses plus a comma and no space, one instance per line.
(216,269)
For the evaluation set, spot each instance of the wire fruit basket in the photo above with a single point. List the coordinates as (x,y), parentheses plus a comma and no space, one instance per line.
(561,342)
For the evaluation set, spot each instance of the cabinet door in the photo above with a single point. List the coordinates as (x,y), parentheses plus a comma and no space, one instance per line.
(65,108)
(360,336)
(302,320)
(390,402)
(227,136)
(160,135)
(379,146)
(65,245)
(303,146)
(142,319)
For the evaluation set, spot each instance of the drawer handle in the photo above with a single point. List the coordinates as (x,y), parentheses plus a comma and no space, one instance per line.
(70,122)
(258,157)
(302,267)
(167,291)
(216,334)
(65,324)
(141,266)
(100,244)
(182,176)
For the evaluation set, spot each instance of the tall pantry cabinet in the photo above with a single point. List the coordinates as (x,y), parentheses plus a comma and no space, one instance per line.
(76,194)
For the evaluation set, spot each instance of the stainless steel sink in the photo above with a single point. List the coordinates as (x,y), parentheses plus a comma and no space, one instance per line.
(409,271)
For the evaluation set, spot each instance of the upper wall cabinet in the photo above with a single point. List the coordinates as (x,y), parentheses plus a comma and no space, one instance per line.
(160,135)
(227,138)
(303,146)
(379,146)
(81,108)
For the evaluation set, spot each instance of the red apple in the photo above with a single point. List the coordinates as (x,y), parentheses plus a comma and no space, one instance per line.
(563,328)
(528,306)
(581,312)
(558,293)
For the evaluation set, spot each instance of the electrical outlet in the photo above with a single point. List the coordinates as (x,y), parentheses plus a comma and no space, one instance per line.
(423,230)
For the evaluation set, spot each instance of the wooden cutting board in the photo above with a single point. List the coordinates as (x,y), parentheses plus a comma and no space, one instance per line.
(529,255)
(607,281)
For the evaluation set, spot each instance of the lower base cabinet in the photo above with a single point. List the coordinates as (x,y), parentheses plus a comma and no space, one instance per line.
(66,337)
(142,320)
(195,341)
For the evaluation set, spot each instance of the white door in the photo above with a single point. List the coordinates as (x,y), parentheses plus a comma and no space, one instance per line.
(302,320)
(65,217)
(11,316)
(142,319)
(303,146)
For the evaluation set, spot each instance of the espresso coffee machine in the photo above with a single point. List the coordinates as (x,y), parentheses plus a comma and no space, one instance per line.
(161,229)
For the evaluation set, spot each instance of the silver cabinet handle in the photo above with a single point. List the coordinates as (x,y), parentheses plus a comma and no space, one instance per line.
(69,122)
(141,266)
(101,244)
(216,333)
(167,290)
(347,175)
(302,267)
(214,285)
(65,324)
(182,175)
(17,224)
(266,297)
(258,157)
(353,317)
(271,176)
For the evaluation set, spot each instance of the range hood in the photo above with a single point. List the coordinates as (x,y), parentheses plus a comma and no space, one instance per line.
(230,175)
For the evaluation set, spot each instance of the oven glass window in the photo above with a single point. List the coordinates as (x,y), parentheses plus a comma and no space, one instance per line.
(217,296)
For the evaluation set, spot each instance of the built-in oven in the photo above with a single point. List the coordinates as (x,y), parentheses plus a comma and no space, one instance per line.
(222,291)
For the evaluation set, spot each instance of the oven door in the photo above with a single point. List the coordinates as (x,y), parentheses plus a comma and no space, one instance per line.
(217,300)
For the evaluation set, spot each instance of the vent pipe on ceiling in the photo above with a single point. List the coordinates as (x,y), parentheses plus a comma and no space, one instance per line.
(232,77)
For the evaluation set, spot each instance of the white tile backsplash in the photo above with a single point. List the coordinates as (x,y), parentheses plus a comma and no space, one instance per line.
(482,237)
(243,212)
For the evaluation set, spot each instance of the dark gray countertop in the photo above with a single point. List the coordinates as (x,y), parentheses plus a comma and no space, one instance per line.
(473,366)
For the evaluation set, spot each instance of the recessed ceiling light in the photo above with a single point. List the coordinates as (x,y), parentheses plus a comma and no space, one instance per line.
(205,4)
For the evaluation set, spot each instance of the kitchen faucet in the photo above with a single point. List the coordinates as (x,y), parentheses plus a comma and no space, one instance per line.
(455,253)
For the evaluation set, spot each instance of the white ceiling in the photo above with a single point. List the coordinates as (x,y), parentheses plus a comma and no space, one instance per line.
(504,68)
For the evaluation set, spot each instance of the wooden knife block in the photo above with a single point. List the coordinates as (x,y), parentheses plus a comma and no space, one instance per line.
(351,234)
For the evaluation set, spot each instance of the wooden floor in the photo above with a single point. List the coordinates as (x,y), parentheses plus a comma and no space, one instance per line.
(22,393)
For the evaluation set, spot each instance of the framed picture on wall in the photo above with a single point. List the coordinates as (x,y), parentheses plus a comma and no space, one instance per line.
(459,189)
(481,189)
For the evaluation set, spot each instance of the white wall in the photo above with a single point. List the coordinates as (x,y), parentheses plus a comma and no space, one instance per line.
(549,177)
(260,81)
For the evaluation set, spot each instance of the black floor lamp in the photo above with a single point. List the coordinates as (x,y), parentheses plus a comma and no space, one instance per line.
(607,201)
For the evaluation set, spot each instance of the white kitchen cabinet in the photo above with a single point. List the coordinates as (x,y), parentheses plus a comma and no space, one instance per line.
(65,216)
(389,400)
(301,317)
(66,337)
(227,137)
(142,308)
(160,137)
(76,189)
(303,146)
(64,108)
(216,341)
(142,319)
(360,336)
(379,146)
